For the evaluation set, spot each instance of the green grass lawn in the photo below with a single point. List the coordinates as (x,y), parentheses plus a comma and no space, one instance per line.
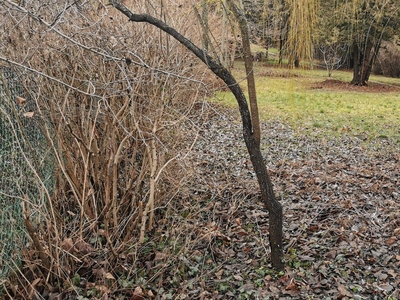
(289,96)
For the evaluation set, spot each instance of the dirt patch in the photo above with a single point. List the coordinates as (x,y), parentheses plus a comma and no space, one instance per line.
(278,73)
(372,87)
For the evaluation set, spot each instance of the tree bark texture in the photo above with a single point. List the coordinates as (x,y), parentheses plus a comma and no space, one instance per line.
(273,206)
(364,59)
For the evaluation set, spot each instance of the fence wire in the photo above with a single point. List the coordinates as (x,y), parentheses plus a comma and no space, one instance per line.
(26,168)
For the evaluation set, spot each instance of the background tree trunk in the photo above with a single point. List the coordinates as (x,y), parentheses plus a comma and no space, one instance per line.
(356,62)
(248,61)
(363,64)
(372,60)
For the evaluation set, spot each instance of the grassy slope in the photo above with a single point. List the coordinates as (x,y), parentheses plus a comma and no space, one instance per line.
(288,96)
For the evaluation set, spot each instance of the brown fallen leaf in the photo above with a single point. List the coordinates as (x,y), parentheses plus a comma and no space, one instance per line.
(291,292)
(160,256)
(103,289)
(32,287)
(247,250)
(292,286)
(238,277)
(267,278)
(21,101)
(137,294)
(29,114)
(219,274)
(108,275)
(343,292)
(99,273)
(240,232)
(331,254)
(391,240)
(392,273)
(385,287)
(84,248)
(67,244)
(55,296)
(274,290)
(313,228)
(150,294)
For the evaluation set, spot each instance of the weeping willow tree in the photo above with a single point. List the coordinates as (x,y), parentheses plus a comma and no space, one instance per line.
(301,24)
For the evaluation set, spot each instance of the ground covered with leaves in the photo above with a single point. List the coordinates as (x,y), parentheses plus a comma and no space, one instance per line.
(341,199)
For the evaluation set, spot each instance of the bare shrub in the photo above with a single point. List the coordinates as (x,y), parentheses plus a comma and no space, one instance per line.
(333,55)
(388,61)
(115,103)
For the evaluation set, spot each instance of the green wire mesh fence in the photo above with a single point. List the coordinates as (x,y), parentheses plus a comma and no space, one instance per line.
(26,168)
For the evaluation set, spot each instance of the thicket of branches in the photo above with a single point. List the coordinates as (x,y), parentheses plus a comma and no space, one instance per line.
(114,103)
(388,61)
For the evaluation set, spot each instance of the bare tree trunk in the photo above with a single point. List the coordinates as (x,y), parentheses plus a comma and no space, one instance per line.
(363,64)
(372,60)
(264,180)
(265,27)
(224,38)
(204,14)
(356,61)
(283,29)
(296,61)
(248,61)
